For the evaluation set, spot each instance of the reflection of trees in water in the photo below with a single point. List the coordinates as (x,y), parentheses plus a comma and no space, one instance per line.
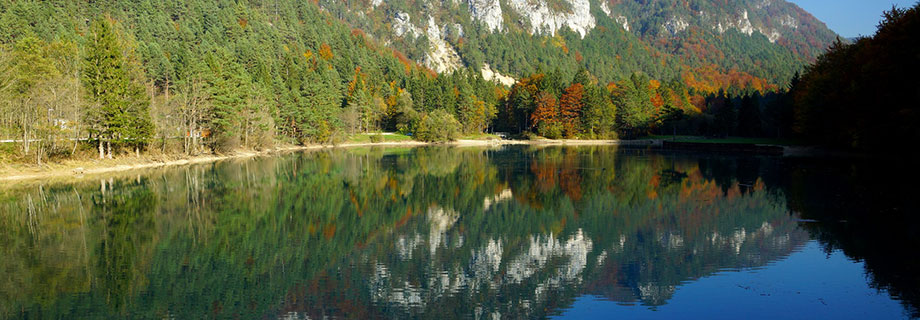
(68,240)
(126,244)
(868,209)
(429,232)
(539,253)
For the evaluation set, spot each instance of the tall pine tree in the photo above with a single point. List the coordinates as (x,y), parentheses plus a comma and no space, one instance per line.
(121,113)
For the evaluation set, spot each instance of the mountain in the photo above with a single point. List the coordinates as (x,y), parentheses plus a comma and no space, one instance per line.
(708,43)
(248,74)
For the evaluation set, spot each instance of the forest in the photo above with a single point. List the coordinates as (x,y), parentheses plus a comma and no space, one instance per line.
(190,77)
(864,95)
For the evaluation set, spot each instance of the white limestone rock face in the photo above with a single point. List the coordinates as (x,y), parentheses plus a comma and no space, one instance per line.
(622,20)
(402,26)
(441,56)
(789,22)
(744,25)
(544,20)
(488,12)
(489,75)
(675,25)
(455,31)
(605,7)
(771,34)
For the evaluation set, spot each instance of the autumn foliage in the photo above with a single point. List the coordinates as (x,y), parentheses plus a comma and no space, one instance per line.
(546,116)
(571,104)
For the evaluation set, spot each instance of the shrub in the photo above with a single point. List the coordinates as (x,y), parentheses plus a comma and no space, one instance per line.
(552,130)
(437,126)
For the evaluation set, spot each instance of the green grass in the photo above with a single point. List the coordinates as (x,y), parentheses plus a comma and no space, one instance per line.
(732,140)
(366,138)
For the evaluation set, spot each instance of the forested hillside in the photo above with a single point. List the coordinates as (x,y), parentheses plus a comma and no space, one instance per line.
(705,43)
(138,75)
(192,76)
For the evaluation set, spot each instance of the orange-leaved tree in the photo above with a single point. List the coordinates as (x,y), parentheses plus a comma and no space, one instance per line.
(546,116)
(571,105)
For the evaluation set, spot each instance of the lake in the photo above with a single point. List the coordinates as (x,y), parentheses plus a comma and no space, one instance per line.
(515,232)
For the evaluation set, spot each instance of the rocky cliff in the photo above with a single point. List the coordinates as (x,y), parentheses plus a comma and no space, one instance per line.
(769,39)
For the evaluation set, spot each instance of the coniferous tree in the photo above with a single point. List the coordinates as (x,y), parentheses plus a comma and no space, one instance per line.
(599,114)
(633,100)
(121,112)
(749,119)
(230,91)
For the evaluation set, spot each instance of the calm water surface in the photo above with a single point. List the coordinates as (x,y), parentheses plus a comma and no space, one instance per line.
(444,233)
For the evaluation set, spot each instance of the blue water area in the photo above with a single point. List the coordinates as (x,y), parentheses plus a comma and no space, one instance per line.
(525,232)
(809,284)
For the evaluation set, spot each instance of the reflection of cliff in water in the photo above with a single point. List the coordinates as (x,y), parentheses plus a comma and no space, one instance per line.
(366,233)
(631,242)
(546,271)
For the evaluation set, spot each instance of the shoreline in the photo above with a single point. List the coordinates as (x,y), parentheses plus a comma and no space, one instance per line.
(79,169)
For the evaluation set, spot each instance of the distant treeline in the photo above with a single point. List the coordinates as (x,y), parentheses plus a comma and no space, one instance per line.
(550,106)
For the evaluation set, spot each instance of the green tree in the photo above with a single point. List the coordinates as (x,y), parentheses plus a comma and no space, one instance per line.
(437,126)
(749,118)
(599,113)
(726,117)
(115,83)
(231,92)
(635,111)
(30,71)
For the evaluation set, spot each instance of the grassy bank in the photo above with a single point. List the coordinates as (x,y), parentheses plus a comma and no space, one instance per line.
(378,137)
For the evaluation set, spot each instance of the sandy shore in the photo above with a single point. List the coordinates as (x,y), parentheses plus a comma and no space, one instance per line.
(73,169)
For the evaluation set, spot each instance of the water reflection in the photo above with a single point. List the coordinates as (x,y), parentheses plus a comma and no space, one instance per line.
(517,232)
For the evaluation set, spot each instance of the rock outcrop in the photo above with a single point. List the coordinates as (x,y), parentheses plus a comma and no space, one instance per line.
(488,12)
(546,20)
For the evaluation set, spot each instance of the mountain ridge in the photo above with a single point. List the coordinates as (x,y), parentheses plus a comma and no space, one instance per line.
(766,39)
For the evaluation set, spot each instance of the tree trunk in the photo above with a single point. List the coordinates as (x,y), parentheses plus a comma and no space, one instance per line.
(25,140)
(101,149)
(187,139)
(167,89)
(108,145)
(246,134)
(192,132)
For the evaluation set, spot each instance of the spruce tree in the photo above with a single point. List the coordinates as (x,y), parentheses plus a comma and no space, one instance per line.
(121,112)
(230,91)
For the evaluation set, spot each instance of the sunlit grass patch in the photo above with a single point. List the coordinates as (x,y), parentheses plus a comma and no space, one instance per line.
(378,137)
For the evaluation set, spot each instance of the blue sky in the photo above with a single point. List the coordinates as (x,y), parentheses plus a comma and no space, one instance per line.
(851,18)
